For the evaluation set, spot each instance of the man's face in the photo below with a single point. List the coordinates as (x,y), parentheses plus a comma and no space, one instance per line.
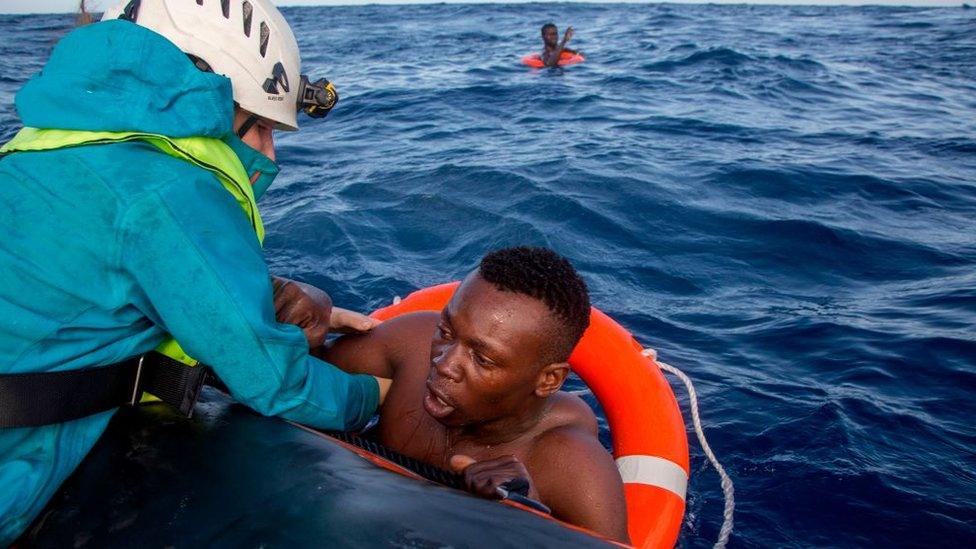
(550,35)
(486,354)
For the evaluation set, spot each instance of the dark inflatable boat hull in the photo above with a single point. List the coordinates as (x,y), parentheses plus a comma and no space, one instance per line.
(232,478)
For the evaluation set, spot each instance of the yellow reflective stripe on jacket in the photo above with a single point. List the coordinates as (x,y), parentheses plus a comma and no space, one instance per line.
(207,153)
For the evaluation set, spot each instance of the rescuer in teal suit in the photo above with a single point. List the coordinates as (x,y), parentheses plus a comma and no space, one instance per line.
(128,220)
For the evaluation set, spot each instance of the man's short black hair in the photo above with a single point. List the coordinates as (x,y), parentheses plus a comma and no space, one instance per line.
(544,275)
(547,25)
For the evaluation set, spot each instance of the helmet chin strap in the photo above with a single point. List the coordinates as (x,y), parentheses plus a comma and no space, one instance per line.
(246,126)
(251,120)
(131,11)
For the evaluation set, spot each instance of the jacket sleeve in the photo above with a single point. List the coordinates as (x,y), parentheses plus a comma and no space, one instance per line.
(191,251)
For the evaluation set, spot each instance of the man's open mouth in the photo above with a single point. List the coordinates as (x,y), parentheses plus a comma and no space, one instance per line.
(436,403)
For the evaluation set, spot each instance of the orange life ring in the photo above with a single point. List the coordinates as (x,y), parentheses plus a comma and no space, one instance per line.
(534,60)
(649,441)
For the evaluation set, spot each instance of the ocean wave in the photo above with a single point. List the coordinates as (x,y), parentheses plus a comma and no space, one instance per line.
(726,57)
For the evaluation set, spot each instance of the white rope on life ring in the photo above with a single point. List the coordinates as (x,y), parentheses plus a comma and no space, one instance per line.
(727,488)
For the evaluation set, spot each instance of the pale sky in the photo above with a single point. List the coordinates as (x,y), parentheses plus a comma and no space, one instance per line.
(63,6)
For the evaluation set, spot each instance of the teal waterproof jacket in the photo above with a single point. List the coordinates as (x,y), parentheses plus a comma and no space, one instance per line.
(106,249)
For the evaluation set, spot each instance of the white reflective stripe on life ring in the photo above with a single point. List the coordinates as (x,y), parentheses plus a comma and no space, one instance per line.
(654,471)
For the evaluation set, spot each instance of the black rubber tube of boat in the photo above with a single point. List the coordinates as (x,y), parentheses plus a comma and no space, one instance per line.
(426,470)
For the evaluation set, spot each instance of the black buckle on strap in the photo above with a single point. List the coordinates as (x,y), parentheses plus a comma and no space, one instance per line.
(173,382)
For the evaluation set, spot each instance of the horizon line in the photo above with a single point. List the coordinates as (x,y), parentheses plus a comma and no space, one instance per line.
(21,7)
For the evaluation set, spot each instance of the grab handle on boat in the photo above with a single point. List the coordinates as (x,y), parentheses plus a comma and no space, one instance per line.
(517,490)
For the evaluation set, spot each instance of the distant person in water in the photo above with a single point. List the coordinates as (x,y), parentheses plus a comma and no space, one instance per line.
(476,387)
(551,50)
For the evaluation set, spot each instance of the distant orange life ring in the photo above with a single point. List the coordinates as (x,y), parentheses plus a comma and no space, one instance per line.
(534,60)
(649,441)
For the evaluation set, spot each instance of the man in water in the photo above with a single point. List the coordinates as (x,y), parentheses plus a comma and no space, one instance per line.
(476,387)
(552,50)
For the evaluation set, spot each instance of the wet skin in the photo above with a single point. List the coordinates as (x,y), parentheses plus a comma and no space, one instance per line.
(475,381)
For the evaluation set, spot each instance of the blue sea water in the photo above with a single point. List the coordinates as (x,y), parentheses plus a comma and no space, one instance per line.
(780,200)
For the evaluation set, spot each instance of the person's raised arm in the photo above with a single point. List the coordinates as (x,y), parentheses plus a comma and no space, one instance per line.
(553,60)
(192,252)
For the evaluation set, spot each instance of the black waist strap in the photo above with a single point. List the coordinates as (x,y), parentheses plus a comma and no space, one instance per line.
(31,400)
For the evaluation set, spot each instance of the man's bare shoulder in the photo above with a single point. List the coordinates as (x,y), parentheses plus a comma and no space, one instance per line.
(407,326)
(403,336)
(568,411)
(408,335)
(568,440)
(569,432)
(575,475)
(382,350)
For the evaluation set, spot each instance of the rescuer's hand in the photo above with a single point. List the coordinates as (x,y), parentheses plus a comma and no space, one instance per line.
(305,306)
(344,321)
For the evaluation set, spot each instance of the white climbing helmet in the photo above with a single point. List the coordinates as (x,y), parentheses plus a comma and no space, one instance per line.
(248,41)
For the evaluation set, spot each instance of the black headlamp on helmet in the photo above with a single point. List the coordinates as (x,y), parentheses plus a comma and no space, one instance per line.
(317,98)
